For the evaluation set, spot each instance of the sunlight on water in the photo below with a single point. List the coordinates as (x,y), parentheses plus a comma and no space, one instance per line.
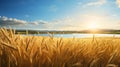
(80,35)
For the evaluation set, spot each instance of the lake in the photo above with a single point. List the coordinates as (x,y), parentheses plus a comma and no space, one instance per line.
(79,35)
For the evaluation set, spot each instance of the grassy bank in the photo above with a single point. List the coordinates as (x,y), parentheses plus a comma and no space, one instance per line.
(37,51)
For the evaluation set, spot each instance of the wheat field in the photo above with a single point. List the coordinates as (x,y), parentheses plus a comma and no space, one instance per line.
(38,51)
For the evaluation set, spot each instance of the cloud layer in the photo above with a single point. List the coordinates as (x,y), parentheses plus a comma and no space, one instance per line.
(96,3)
(21,24)
(100,3)
(4,21)
(67,23)
(60,24)
(118,3)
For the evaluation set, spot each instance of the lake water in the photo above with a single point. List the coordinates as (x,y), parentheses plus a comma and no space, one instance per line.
(79,35)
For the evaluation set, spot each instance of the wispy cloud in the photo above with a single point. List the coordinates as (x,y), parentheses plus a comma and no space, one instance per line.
(53,8)
(40,23)
(66,23)
(118,3)
(96,3)
(27,16)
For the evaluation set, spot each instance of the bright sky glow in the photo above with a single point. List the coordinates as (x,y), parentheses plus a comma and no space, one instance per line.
(93,26)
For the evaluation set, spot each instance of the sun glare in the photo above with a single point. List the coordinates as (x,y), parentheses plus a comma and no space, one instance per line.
(93,26)
(93,22)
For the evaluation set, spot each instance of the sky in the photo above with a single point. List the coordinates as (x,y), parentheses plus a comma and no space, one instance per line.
(60,14)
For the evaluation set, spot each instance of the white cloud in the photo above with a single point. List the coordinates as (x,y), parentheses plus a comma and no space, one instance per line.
(96,3)
(4,21)
(118,3)
(40,22)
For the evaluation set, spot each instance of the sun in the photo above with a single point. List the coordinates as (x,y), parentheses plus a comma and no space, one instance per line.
(93,26)
(93,22)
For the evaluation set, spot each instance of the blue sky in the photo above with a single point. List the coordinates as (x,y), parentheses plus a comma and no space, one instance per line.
(60,14)
(36,9)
